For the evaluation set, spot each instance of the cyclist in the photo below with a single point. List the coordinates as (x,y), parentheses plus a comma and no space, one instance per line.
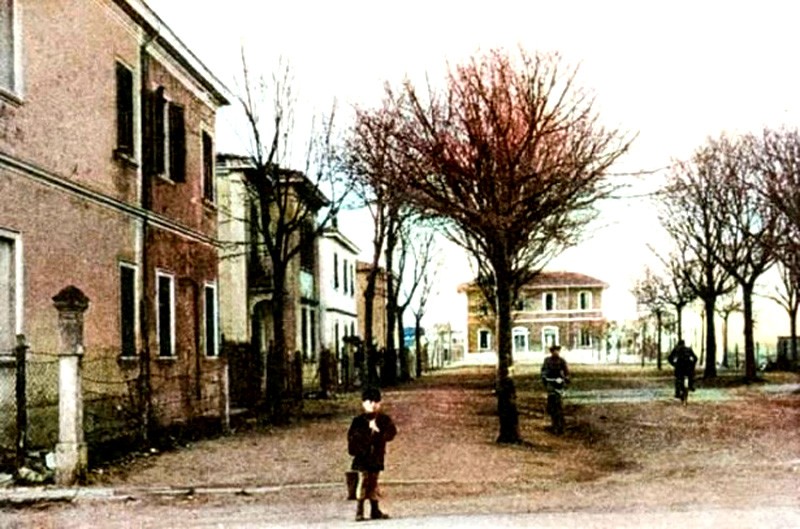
(683,359)
(555,376)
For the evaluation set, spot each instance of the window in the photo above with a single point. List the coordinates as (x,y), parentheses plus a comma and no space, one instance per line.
(584,338)
(549,301)
(208,167)
(344,274)
(165,292)
(521,304)
(549,337)
(307,247)
(585,300)
(177,144)
(211,341)
(9,277)
(124,110)
(304,332)
(165,137)
(520,336)
(8,47)
(352,281)
(127,310)
(313,333)
(335,271)
(484,340)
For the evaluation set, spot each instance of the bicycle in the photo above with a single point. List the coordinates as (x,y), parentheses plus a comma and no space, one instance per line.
(682,388)
(555,391)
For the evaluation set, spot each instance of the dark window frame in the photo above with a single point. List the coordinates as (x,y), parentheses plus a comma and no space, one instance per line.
(125,111)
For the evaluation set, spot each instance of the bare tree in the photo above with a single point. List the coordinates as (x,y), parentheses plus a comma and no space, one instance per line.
(289,208)
(677,290)
(417,250)
(748,225)
(778,161)
(787,295)
(369,159)
(727,307)
(424,292)
(650,292)
(512,153)
(688,214)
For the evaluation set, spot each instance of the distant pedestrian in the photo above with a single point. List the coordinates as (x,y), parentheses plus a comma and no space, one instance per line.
(683,359)
(366,442)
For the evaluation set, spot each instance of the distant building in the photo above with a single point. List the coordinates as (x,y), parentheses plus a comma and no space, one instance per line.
(379,307)
(563,308)
(246,277)
(338,304)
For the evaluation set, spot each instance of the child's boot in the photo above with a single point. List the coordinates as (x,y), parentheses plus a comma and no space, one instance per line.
(360,511)
(375,513)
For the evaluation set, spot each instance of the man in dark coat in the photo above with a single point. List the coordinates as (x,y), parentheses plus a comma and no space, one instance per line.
(683,359)
(366,442)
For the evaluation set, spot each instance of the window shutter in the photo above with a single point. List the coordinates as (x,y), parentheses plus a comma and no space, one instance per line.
(177,144)
(159,136)
(124,110)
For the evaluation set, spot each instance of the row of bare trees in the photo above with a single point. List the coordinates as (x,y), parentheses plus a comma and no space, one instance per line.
(289,209)
(732,212)
(508,156)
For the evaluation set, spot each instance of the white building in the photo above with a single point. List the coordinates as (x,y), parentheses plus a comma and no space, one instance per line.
(338,286)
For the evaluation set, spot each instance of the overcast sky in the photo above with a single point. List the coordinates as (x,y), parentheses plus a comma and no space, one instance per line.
(672,72)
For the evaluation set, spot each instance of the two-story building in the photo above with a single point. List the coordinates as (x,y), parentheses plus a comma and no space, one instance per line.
(246,276)
(379,324)
(107,184)
(563,308)
(338,304)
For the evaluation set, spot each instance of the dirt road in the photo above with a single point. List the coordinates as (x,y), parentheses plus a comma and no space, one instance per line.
(631,457)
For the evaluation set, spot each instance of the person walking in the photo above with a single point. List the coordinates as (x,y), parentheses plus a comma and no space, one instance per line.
(683,360)
(366,442)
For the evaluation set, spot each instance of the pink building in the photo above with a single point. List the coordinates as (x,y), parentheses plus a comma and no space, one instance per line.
(107,183)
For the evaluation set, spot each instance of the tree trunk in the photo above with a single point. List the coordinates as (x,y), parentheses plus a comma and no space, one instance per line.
(405,375)
(711,339)
(506,392)
(389,369)
(725,339)
(749,342)
(658,340)
(369,339)
(417,346)
(276,354)
(793,333)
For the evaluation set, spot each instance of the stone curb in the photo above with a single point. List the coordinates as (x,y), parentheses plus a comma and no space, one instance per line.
(20,496)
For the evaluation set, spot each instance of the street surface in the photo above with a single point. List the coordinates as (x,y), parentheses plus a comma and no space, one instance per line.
(631,457)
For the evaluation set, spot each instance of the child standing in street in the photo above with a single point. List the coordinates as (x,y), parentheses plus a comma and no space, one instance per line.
(366,442)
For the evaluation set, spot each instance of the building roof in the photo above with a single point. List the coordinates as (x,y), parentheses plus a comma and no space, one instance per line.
(149,20)
(564,279)
(553,280)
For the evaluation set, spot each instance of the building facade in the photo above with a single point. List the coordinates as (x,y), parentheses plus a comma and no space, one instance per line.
(379,325)
(562,308)
(338,257)
(246,275)
(107,185)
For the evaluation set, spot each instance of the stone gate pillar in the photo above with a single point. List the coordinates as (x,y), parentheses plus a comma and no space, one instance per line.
(71,452)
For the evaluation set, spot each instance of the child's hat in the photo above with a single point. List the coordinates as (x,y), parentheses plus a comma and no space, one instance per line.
(372,394)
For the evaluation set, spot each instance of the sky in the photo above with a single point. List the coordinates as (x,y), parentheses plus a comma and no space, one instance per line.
(672,73)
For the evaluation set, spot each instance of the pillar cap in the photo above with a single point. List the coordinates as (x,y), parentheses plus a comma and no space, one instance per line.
(71,299)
